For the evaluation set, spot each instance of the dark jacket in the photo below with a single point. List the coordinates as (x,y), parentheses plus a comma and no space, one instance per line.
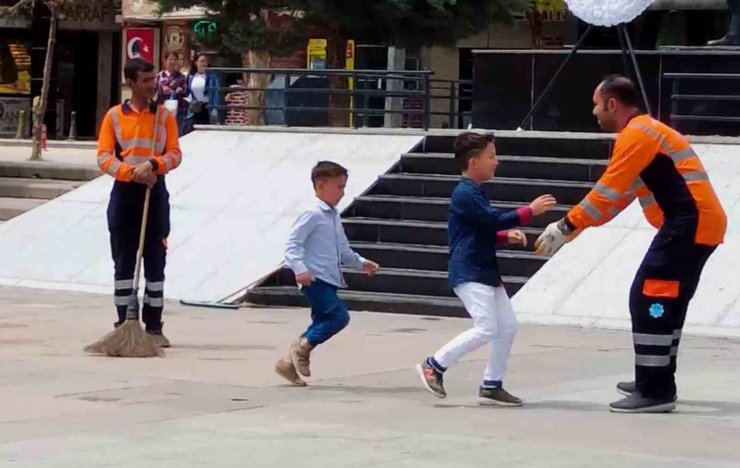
(473,227)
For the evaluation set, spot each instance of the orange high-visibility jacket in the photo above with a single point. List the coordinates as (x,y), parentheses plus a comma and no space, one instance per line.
(125,139)
(654,163)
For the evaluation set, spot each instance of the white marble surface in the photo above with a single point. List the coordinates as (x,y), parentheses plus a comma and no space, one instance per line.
(587,282)
(233,201)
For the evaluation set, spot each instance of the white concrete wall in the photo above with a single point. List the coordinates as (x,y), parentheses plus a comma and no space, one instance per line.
(233,199)
(587,282)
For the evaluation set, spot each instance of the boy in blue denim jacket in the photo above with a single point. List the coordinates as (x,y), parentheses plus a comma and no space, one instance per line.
(474,229)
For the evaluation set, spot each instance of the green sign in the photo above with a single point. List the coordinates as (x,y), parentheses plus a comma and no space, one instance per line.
(204,28)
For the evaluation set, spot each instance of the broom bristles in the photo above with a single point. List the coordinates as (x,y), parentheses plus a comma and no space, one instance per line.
(128,340)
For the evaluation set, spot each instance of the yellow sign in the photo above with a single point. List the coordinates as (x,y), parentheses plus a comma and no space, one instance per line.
(316,54)
(349,64)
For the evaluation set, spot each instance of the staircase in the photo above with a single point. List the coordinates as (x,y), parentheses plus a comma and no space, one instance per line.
(401,222)
(26,185)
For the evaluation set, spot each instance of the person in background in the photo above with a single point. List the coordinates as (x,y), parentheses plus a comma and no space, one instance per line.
(171,84)
(183,64)
(203,88)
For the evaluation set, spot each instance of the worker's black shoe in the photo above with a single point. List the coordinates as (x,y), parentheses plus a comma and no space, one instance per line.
(628,388)
(636,403)
(159,339)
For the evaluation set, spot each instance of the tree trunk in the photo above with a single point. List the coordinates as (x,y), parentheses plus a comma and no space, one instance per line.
(396,61)
(256,59)
(40,110)
(335,60)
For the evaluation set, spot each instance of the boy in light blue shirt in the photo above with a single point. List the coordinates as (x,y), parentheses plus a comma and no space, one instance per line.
(316,250)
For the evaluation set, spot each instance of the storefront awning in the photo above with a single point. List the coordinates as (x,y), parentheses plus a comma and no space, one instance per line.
(147,11)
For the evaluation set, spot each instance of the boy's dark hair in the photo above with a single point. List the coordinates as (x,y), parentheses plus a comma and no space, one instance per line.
(134,66)
(620,88)
(469,145)
(327,170)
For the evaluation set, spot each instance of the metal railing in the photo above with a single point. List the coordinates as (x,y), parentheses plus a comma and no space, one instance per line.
(373,95)
(677,97)
(457,93)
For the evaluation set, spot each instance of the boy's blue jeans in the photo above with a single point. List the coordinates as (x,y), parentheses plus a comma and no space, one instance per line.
(328,314)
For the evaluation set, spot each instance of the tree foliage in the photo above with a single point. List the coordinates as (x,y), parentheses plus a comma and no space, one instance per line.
(243,24)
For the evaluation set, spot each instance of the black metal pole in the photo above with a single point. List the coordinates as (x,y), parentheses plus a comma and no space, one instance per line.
(675,90)
(427,102)
(286,85)
(625,55)
(637,68)
(546,91)
(453,99)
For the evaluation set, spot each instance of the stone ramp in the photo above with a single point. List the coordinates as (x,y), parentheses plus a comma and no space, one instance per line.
(233,201)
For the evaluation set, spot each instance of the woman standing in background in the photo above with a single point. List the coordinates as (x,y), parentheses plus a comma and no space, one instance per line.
(203,87)
(171,84)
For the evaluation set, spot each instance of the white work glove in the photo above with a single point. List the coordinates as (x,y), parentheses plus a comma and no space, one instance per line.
(550,240)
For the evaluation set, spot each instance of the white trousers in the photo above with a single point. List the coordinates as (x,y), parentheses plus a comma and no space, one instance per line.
(493,322)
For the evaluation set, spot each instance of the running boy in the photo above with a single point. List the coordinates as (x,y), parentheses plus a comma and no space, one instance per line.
(474,229)
(316,248)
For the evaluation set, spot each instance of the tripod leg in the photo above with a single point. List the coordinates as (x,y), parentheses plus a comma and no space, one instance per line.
(637,68)
(625,55)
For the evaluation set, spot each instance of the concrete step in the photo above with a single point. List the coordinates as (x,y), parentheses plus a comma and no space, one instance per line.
(12,207)
(410,232)
(550,146)
(435,258)
(397,281)
(290,296)
(48,170)
(35,188)
(431,209)
(505,189)
(586,170)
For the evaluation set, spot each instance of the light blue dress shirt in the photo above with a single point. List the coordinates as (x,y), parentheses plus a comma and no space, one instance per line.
(318,244)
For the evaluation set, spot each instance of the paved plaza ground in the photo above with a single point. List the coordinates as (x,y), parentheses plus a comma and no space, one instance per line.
(214,400)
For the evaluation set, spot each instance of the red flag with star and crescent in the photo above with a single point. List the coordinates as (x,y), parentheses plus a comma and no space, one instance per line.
(139,43)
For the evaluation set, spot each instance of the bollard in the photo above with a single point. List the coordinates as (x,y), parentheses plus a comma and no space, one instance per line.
(72,126)
(20,132)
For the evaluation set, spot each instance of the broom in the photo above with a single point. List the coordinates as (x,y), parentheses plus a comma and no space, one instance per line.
(130,339)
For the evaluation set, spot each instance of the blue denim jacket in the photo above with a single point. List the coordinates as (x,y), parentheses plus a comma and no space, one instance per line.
(472,229)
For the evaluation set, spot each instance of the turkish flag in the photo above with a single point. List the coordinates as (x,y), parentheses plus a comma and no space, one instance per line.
(139,43)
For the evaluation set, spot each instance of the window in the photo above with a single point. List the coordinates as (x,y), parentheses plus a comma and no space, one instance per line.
(15,68)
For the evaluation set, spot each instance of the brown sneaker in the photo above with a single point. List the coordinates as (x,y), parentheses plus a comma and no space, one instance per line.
(285,369)
(300,353)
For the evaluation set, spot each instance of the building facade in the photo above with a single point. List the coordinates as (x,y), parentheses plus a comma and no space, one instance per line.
(84,78)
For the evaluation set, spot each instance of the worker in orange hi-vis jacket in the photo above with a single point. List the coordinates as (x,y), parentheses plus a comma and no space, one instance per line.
(125,153)
(655,164)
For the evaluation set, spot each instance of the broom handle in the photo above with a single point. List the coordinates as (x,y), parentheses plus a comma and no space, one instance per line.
(145,215)
(142,236)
